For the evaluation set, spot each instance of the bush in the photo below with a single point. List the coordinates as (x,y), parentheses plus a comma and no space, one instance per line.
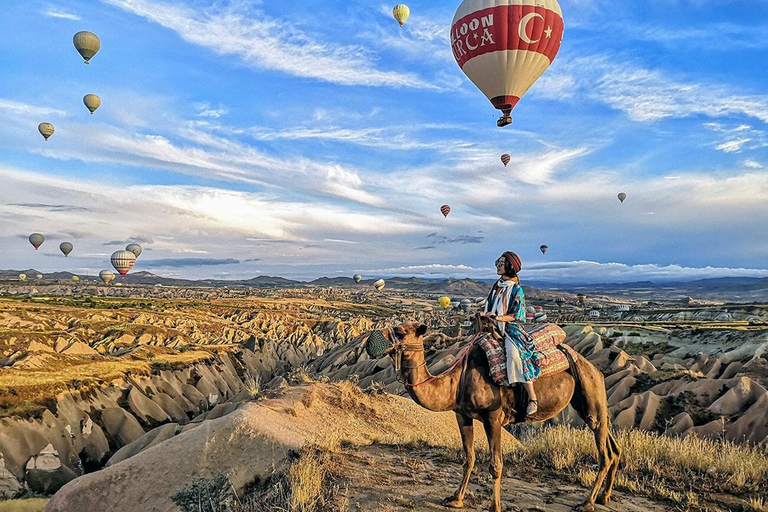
(214,495)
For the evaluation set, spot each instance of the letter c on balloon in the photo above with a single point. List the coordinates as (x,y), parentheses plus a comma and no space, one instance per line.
(523,30)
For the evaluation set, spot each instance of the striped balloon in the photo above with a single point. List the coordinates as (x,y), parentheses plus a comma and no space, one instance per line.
(505,159)
(379,284)
(445,210)
(91,102)
(401,12)
(123,261)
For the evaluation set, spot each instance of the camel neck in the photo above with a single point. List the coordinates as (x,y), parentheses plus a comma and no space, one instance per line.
(438,395)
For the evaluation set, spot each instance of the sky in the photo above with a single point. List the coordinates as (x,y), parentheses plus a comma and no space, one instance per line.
(306,139)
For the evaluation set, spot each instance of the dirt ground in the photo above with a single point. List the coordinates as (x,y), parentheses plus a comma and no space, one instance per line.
(396,479)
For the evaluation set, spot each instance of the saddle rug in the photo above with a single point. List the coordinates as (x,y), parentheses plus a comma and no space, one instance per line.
(546,338)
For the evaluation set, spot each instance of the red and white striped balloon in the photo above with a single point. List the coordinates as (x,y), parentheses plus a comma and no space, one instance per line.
(504,46)
(445,210)
(123,261)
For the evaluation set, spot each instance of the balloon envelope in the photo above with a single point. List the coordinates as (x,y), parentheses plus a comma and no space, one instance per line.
(505,159)
(543,249)
(91,102)
(75,279)
(123,261)
(107,276)
(135,249)
(445,210)
(465,304)
(444,302)
(401,12)
(36,239)
(87,44)
(39,277)
(504,46)
(22,277)
(46,130)
(380,284)
(357,278)
(622,197)
(66,248)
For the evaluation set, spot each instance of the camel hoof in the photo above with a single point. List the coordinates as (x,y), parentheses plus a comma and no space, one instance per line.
(604,499)
(453,502)
(585,507)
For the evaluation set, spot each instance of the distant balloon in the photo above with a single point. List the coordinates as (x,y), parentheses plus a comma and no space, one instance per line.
(445,210)
(135,249)
(39,277)
(380,284)
(118,284)
(91,102)
(36,239)
(622,197)
(22,277)
(445,302)
(581,298)
(107,276)
(465,304)
(75,279)
(401,12)
(505,46)
(123,261)
(66,248)
(357,278)
(46,130)
(505,159)
(87,44)
(543,249)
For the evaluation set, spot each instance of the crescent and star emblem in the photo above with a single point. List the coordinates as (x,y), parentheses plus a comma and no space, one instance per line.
(523,28)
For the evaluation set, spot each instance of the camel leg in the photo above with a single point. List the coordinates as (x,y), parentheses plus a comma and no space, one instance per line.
(615,452)
(493,427)
(467,429)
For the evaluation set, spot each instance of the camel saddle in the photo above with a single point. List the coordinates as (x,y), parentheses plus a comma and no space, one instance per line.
(548,340)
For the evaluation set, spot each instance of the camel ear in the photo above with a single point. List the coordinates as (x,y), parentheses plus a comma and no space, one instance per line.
(421,330)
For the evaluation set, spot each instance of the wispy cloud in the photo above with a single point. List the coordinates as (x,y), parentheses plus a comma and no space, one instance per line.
(267,43)
(23,109)
(61,14)
(188,262)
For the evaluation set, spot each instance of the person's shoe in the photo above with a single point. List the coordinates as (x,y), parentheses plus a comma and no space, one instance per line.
(533,406)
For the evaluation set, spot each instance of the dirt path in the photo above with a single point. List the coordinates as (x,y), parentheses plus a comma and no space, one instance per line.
(395,479)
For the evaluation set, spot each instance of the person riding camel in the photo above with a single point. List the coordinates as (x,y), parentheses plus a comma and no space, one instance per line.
(506,306)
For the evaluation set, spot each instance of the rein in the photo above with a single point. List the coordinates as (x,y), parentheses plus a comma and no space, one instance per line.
(413,347)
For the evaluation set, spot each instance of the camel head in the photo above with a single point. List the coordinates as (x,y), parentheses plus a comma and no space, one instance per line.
(393,341)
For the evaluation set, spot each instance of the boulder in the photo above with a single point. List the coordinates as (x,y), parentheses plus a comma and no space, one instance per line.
(45,472)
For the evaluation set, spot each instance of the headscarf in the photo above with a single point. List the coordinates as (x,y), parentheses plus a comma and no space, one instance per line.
(513,260)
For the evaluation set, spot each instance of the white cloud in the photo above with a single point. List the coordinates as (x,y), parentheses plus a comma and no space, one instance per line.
(205,110)
(16,108)
(732,146)
(61,14)
(753,164)
(267,43)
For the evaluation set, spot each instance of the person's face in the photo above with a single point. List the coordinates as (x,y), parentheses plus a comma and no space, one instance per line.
(500,264)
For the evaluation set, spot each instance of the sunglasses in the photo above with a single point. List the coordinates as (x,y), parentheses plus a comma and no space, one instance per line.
(500,263)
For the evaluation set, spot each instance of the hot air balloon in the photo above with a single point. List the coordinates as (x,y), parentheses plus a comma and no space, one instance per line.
(445,302)
(75,279)
(465,305)
(401,12)
(543,249)
(582,298)
(357,278)
(445,210)
(107,276)
(22,277)
(91,102)
(123,261)
(380,284)
(66,248)
(39,277)
(87,44)
(505,46)
(118,284)
(36,239)
(505,159)
(46,130)
(135,249)
(622,197)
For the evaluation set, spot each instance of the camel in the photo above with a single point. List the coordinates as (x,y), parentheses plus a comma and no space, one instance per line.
(471,394)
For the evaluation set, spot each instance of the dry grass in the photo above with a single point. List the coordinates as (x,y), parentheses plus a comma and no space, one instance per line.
(25,505)
(683,471)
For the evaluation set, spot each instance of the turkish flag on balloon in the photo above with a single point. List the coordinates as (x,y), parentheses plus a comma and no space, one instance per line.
(504,46)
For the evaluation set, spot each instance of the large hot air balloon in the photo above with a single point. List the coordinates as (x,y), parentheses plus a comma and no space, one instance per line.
(66,248)
(445,210)
(22,277)
(505,159)
(46,130)
(401,12)
(504,46)
(380,284)
(36,239)
(123,261)
(87,44)
(357,278)
(445,302)
(91,102)
(622,197)
(135,249)
(543,249)
(107,276)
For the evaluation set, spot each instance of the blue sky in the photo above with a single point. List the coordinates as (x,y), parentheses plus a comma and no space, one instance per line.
(318,138)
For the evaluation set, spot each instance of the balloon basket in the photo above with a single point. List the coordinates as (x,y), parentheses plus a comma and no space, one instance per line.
(504,121)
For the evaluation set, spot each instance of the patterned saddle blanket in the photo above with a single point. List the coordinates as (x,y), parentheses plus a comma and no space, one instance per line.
(546,338)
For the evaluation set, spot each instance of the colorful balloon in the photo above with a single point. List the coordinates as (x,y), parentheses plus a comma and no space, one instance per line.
(445,302)
(504,46)
(622,197)
(91,102)
(123,261)
(46,130)
(36,239)
(22,277)
(75,279)
(401,12)
(445,210)
(135,249)
(87,44)
(357,278)
(39,277)
(505,159)
(543,249)
(66,248)
(380,284)
(107,276)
